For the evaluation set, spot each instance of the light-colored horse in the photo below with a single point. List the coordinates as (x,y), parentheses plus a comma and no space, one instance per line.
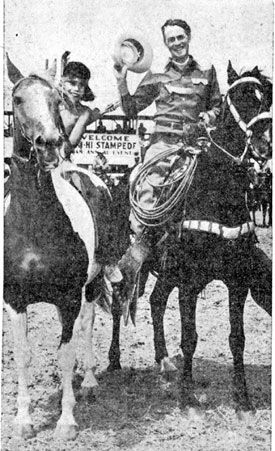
(50,241)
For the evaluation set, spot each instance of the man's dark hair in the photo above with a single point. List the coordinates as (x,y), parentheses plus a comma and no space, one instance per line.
(176,22)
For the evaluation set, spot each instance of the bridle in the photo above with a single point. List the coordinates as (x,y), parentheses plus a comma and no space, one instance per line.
(60,125)
(245,127)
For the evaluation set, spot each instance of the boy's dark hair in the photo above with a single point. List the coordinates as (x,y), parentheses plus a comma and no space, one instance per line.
(79,70)
(176,22)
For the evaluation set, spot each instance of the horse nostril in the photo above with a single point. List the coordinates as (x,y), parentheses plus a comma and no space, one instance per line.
(39,141)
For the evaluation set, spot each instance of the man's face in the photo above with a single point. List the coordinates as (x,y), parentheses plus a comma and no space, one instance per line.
(177,41)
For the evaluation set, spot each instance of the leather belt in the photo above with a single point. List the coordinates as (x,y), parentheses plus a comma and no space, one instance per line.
(172,125)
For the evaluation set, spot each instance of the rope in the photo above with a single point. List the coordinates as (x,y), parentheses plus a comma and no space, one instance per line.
(173,189)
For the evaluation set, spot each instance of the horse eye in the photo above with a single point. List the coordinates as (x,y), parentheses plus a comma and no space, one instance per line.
(17,100)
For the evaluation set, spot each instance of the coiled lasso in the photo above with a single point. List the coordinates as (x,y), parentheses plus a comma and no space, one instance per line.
(173,190)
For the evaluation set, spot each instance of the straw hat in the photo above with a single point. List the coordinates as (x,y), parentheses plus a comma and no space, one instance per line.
(134,51)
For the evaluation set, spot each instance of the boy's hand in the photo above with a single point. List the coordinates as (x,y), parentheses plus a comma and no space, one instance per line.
(90,116)
(96,114)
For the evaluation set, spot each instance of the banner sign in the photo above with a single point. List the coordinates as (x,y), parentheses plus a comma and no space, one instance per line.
(117,148)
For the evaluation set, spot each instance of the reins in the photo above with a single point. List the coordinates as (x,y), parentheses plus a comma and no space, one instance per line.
(245,127)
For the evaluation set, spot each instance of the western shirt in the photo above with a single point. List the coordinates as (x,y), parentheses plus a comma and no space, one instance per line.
(180,94)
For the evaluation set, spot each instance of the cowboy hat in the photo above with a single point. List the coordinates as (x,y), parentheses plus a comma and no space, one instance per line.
(134,51)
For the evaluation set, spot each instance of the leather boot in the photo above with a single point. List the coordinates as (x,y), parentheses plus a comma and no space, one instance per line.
(129,266)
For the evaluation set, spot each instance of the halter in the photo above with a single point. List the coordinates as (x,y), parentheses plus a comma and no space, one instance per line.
(61,126)
(245,127)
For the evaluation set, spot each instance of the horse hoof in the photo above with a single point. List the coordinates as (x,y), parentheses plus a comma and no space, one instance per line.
(23,431)
(245,416)
(194,413)
(166,366)
(65,432)
(87,393)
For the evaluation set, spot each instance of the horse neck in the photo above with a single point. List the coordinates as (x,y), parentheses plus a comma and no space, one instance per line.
(229,133)
(30,189)
(218,189)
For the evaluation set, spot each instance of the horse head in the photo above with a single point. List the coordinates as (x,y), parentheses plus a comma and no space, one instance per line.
(247,104)
(37,120)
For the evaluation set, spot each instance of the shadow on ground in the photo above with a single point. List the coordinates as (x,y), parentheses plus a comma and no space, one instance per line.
(128,399)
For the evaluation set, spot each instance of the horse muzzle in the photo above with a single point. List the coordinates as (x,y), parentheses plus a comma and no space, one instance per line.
(48,152)
(47,159)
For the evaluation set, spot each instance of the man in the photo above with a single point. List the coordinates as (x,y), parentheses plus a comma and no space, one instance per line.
(100,128)
(184,95)
(141,131)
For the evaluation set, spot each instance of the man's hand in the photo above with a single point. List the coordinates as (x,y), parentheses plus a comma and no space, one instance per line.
(120,73)
(204,117)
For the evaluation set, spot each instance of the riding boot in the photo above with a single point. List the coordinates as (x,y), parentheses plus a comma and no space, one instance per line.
(130,265)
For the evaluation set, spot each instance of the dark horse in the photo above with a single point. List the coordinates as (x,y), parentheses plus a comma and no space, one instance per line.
(259,196)
(264,196)
(49,252)
(215,239)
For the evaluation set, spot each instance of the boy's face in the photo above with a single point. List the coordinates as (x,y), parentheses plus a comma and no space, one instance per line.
(75,87)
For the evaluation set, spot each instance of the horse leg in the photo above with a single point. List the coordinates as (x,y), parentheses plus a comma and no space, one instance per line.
(260,283)
(66,428)
(264,210)
(158,302)
(114,351)
(23,427)
(237,297)
(254,216)
(86,320)
(188,302)
(270,213)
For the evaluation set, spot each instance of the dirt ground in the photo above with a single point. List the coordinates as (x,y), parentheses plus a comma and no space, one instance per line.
(137,409)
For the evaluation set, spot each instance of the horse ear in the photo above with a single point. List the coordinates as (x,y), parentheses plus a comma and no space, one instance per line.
(231,74)
(51,72)
(256,72)
(13,73)
(64,60)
